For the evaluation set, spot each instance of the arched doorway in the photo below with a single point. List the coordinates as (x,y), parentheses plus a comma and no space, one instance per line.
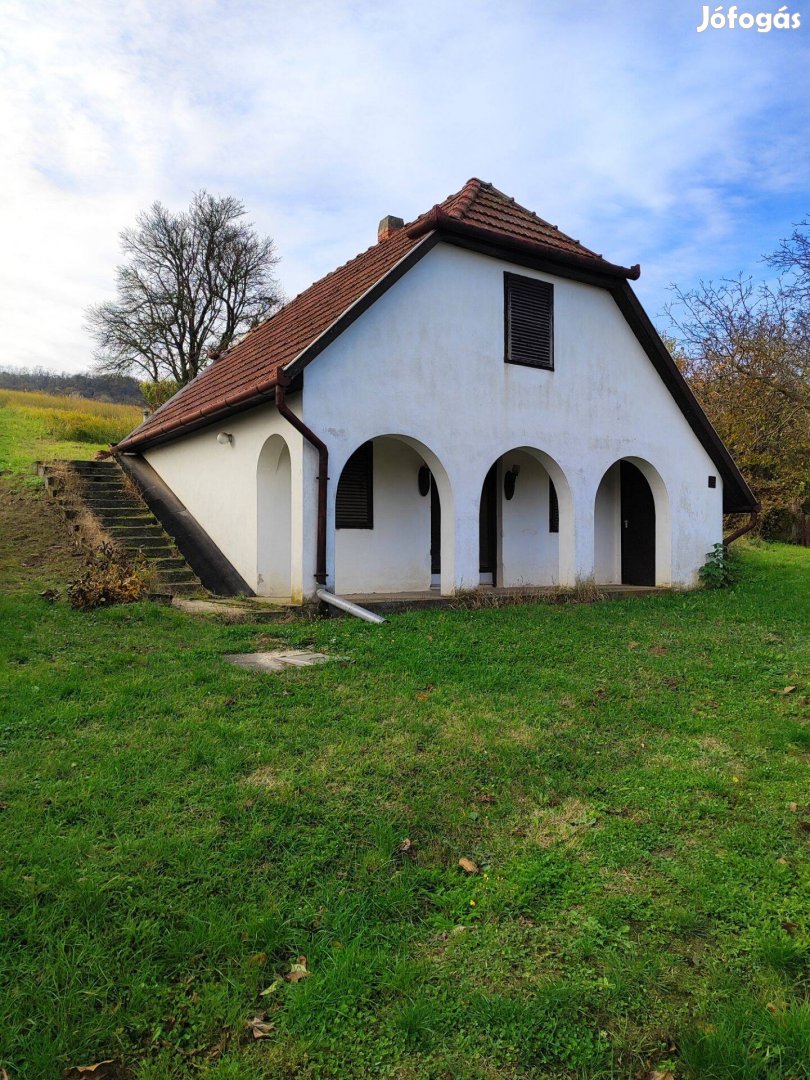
(393,519)
(274,520)
(631,526)
(525,521)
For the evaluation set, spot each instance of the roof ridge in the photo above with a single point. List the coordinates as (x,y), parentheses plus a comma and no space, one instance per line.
(463,202)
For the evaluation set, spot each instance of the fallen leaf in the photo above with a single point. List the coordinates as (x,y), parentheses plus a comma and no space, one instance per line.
(298,971)
(789,927)
(406,847)
(793,807)
(782,861)
(260,1026)
(271,989)
(258,959)
(658,1075)
(785,690)
(50,595)
(458,929)
(771,1008)
(467,865)
(99,1070)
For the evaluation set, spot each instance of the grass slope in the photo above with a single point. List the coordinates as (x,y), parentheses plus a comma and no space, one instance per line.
(36,426)
(175,832)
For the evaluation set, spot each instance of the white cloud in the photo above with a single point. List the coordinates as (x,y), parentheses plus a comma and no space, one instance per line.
(615,120)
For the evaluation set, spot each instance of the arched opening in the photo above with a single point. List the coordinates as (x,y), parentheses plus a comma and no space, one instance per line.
(526,529)
(393,519)
(274,517)
(632,526)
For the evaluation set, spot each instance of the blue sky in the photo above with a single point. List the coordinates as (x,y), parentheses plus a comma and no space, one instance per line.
(617,121)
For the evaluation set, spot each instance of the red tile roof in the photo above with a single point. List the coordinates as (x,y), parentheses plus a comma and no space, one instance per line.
(251,368)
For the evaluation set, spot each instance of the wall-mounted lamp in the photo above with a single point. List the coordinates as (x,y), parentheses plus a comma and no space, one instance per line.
(224,438)
(423,479)
(509,479)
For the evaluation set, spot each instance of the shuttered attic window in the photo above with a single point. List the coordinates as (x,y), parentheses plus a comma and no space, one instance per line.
(529,321)
(354,504)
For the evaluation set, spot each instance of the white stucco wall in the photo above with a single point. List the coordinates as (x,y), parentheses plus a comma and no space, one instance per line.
(395,554)
(607,528)
(425,362)
(220,484)
(529,552)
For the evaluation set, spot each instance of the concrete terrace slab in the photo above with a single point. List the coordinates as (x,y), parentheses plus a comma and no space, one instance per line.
(234,611)
(277,660)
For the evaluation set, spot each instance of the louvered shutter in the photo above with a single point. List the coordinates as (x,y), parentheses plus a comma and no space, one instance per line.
(354,505)
(529,319)
(553,508)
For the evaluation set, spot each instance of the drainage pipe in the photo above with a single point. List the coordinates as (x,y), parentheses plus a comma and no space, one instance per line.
(348,606)
(323,476)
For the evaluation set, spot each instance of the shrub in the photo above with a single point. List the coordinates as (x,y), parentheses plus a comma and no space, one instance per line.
(720,570)
(158,393)
(110,577)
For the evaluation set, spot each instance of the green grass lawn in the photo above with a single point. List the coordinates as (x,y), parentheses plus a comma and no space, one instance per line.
(175,832)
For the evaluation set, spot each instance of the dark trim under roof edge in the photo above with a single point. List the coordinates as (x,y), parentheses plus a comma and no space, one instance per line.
(446,223)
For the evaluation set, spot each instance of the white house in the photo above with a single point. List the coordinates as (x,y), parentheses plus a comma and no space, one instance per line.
(476,399)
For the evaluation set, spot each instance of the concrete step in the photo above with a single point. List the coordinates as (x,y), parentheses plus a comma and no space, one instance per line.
(156,548)
(110,502)
(97,490)
(167,562)
(179,589)
(177,577)
(129,534)
(116,513)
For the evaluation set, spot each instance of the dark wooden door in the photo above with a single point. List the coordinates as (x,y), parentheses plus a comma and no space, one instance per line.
(488,524)
(637,527)
(435,529)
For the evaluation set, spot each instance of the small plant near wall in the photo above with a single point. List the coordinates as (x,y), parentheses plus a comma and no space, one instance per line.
(720,570)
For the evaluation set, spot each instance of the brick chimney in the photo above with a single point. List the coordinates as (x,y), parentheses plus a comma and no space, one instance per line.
(388,226)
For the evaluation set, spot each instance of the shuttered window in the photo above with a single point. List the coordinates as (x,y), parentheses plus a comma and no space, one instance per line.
(553,508)
(529,321)
(354,503)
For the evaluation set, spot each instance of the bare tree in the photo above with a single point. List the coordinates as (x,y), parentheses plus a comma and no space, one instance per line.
(192,282)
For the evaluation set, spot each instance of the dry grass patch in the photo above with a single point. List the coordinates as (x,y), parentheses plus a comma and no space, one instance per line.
(267,778)
(551,825)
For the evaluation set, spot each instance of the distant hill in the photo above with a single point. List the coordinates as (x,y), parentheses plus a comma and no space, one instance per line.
(114,388)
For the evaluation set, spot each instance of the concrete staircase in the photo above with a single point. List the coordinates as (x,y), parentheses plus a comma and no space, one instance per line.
(120,511)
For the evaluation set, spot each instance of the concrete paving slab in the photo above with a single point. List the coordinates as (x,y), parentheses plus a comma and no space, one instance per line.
(277,660)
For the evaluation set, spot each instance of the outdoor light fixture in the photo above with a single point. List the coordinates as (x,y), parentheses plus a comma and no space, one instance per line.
(224,438)
(423,480)
(509,482)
